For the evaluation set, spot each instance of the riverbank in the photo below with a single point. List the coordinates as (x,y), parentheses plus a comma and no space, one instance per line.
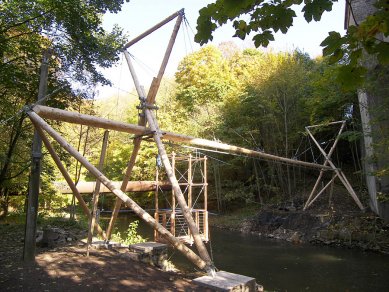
(65,267)
(342,226)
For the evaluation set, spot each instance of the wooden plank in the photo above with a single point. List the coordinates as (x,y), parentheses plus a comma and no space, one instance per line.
(194,258)
(77,118)
(132,186)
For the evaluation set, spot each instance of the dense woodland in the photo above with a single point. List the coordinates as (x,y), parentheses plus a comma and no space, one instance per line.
(251,98)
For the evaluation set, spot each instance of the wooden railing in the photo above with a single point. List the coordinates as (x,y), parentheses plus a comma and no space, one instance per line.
(176,224)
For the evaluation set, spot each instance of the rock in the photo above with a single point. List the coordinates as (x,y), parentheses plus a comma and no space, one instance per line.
(295,238)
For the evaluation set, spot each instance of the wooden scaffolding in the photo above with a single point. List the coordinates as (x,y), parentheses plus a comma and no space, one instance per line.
(191,173)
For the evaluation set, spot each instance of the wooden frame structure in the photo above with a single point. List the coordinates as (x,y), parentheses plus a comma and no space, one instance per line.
(337,172)
(147,126)
(194,184)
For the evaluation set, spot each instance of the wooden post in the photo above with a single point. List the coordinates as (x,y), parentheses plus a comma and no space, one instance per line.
(156,213)
(128,201)
(33,190)
(177,190)
(173,197)
(206,229)
(96,193)
(67,177)
(77,118)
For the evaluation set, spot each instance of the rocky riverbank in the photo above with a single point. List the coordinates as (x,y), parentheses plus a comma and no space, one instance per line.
(348,229)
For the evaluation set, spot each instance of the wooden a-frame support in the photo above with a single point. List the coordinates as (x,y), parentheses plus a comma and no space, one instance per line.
(337,172)
(42,126)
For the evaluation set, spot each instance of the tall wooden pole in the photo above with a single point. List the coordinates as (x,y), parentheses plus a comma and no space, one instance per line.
(33,190)
(127,200)
(96,193)
(149,100)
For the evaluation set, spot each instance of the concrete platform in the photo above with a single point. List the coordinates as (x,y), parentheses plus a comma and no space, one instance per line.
(147,247)
(152,253)
(224,281)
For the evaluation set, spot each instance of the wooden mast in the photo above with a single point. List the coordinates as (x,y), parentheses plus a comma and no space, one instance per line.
(150,97)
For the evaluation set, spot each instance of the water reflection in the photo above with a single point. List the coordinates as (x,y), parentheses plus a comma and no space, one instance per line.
(281,266)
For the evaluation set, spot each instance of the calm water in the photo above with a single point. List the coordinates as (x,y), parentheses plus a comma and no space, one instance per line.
(281,266)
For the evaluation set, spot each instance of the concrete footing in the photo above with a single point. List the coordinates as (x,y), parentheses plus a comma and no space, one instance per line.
(152,253)
(224,281)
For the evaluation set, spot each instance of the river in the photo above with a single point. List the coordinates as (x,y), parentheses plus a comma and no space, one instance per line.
(282,266)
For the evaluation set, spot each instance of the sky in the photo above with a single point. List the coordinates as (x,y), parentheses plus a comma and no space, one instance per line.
(139,15)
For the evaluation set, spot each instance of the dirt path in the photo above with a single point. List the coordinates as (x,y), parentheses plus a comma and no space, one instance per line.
(68,269)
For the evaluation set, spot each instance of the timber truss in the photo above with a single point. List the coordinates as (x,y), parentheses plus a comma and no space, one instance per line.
(147,126)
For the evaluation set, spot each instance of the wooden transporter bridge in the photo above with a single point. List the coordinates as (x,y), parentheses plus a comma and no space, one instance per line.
(167,222)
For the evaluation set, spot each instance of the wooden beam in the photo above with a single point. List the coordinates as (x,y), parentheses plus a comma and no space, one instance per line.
(156,82)
(65,174)
(127,200)
(77,118)
(96,193)
(154,28)
(132,186)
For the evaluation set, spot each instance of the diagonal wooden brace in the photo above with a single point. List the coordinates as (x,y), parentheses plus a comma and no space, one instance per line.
(338,172)
(67,177)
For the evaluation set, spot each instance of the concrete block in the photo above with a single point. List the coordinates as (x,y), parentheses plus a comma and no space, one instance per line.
(151,253)
(224,281)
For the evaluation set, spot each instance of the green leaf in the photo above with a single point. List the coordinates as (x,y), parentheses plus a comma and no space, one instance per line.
(315,8)
(262,39)
(383,52)
(351,77)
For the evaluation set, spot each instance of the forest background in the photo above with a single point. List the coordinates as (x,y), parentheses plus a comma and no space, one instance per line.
(255,99)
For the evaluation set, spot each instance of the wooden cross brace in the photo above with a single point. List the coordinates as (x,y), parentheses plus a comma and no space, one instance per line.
(337,172)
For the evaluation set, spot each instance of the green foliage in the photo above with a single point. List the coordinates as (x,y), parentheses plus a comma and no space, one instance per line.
(263,18)
(131,236)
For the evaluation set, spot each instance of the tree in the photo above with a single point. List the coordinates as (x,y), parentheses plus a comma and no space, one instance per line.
(72,32)
(265,17)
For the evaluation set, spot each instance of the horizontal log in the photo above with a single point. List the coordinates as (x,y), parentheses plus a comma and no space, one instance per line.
(92,121)
(132,186)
